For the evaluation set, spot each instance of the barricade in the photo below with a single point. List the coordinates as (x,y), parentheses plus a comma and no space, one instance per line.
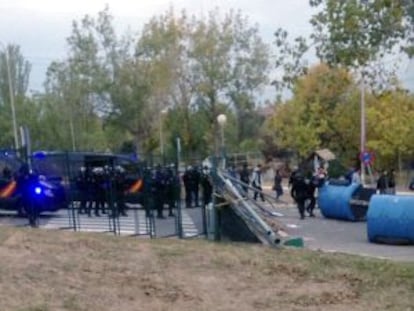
(344,201)
(390,219)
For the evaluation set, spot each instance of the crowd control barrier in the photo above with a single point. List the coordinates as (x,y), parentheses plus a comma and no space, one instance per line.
(390,219)
(339,200)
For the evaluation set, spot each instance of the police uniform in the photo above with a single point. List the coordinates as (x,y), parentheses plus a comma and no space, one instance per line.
(299,193)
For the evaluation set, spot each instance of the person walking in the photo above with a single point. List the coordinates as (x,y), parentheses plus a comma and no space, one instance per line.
(382,183)
(299,193)
(257,182)
(207,186)
(391,182)
(245,179)
(277,185)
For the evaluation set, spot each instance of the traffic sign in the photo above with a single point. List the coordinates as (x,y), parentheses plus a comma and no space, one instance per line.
(367,157)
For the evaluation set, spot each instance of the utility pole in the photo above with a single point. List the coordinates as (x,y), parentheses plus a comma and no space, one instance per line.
(363,130)
(11,96)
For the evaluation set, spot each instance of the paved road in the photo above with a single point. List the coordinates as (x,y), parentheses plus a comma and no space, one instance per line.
(134,224)
(318,233)
(330,235)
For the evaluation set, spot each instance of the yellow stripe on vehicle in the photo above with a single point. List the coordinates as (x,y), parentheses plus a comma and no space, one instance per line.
(7,191)
(136,186)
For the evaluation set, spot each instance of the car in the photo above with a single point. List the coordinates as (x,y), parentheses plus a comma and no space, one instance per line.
(24,190)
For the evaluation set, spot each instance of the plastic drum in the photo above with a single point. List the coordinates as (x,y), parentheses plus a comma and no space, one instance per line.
(390,219)
(334,201)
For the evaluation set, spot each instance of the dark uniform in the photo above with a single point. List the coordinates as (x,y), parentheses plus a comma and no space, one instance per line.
(187,180)
(170,190)
(159,191)
(299,193)
(97,191)
(207,186)
(148,192)
(195,179)
(25,182)
(245,178)
(119,185)
(82,184)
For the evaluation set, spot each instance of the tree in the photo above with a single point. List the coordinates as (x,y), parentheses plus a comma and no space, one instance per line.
(229,61)
(313,118)
(14,76)
(392,141)
(357,34)
(289,60)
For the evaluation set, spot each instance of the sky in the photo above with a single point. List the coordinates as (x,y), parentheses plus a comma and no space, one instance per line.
(40,27)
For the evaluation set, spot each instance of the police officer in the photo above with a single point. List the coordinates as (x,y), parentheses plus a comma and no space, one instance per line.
(25,181)
(159,191)
(299,192)
(187,180)
(206,185)
(195,185)
(148,192)
(97,191)
(119,186)
(245,179)
(170,190)
(82,186)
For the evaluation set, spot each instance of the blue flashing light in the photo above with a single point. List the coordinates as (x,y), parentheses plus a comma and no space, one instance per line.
(38,190)
(39,154)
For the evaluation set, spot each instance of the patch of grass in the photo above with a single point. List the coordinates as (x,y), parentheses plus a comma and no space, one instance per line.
(79,272)
(42,307)
(72,304)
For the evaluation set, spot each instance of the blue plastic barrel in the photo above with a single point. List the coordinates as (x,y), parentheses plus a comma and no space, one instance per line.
(334,201)
(390,219)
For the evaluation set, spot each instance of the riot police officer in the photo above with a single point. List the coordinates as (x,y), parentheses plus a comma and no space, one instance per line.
(299,192)
(207,186)
(119,186)
(97,191)
(159,191)
(82,184)
(170,190)
(187,180)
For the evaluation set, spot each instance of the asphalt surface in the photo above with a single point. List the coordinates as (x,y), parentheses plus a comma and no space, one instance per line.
(134,224)
(331,235)
(318,233)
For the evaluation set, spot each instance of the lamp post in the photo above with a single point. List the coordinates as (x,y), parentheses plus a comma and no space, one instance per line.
(222,120)
(11,94)
(363,129)
(163,112)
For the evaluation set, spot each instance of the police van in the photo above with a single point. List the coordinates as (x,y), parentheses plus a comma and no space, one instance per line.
(66,169)
(25,190)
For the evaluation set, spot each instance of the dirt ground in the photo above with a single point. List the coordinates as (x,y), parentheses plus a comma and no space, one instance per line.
(53,270)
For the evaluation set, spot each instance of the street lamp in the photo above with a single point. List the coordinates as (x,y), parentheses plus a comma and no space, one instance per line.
(221,120)
(163,112)
(11,94)
(363,128)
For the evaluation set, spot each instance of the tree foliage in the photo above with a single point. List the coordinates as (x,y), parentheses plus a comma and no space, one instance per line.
(14,76)
(352,33)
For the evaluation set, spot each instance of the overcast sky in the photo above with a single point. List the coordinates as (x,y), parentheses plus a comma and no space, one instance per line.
(41,27)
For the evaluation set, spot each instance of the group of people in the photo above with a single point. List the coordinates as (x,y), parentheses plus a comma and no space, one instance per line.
(95,184)
(161,187)
(386,182)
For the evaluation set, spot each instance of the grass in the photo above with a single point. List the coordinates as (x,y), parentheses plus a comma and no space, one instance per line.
(52,270)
